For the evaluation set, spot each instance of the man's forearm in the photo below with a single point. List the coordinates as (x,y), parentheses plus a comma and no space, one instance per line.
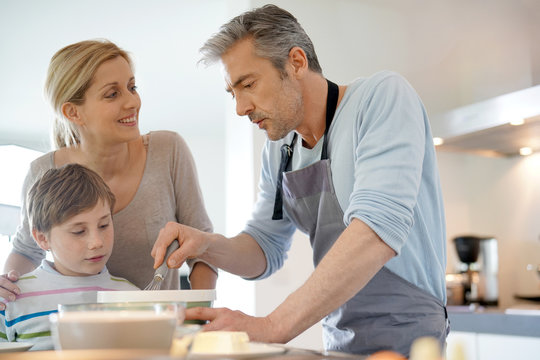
(357,255)
(240,255)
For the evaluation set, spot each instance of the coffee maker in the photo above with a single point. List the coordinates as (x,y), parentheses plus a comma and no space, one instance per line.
(479,266)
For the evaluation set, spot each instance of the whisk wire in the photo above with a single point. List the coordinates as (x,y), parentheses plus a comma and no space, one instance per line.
(162,270)
(155,284)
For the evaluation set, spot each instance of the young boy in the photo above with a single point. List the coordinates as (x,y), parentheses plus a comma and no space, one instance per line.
(70,215)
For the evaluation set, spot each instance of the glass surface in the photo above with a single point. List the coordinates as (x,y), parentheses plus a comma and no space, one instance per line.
(116,325)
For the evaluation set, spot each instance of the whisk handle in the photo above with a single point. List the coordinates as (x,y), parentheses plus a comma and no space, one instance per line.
(162,269)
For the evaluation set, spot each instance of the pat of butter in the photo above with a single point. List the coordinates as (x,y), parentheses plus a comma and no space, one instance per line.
(220,342)
(180,347)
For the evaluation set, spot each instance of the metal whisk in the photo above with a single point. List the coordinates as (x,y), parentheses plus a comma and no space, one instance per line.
(161,271)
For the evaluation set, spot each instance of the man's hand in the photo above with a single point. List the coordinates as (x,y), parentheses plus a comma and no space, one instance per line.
(8,290)
(258,328)
(193,243)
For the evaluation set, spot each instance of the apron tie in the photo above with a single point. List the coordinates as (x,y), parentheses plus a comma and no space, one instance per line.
(286,155)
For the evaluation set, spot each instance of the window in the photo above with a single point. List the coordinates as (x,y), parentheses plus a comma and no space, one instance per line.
(14,164)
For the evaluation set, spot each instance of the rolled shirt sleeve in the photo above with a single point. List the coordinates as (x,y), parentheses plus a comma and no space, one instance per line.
(388,157)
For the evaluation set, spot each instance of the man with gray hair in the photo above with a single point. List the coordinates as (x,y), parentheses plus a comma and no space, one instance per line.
(353,167)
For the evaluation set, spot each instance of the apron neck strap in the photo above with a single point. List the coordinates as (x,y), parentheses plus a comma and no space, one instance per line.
(331,105)
(286,155)
(287,149)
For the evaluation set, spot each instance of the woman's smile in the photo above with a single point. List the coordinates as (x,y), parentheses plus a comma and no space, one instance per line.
(130,121)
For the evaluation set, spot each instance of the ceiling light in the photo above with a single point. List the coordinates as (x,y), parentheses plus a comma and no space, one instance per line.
(438,141)
(524,151)
(517,122)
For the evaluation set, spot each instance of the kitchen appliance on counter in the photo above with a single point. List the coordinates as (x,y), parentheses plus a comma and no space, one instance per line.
(528,286)
(477,282)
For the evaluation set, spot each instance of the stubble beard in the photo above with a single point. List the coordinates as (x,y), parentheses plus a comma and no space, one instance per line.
(287,119)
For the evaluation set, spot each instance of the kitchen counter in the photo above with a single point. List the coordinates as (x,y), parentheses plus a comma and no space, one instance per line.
(518,321)
(129,354)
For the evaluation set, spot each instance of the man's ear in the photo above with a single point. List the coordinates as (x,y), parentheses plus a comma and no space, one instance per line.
(41,239)
(299,62)
(71,112)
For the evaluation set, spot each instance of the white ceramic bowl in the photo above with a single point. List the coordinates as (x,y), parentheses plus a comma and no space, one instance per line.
(191,298)
(116,326)
(186,296)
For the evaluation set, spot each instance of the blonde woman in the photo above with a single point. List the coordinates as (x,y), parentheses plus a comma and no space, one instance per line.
(92,90)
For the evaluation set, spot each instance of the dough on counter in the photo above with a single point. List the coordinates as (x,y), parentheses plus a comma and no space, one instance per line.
(220,342)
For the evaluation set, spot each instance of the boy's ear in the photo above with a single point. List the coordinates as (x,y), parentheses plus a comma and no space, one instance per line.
(41,239)
(71,112)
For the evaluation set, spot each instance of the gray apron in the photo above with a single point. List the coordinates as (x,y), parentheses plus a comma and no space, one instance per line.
(389,312)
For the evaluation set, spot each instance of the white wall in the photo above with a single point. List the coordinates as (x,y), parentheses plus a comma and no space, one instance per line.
(453,52)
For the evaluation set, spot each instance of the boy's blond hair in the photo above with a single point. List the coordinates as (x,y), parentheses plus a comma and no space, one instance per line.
(64,192)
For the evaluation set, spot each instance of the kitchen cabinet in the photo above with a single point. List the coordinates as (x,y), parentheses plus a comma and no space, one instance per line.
(485,128)
(461,341)
(492,347)
(480,346)
(494,334)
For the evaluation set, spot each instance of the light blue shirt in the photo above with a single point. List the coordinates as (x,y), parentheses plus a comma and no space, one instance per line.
(384,173)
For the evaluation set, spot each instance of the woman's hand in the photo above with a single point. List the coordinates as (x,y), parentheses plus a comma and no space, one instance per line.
(8,290)
(193,243)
